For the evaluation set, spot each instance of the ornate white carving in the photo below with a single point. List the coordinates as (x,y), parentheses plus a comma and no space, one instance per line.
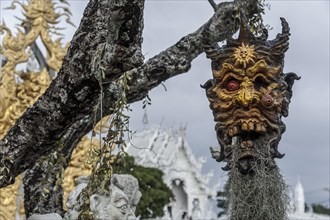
(120,204)
(52,216)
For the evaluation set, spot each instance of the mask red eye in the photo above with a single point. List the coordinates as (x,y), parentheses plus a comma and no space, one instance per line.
(232,85)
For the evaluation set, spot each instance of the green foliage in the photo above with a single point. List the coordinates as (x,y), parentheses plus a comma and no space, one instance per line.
(254,15)
(103,157)
(155,193)
(306,207)
(146,101)
(320,209)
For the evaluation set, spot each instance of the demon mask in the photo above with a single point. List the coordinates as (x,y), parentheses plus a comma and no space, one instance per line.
(249,94)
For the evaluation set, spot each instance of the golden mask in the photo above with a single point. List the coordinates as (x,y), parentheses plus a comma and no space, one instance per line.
(249,93)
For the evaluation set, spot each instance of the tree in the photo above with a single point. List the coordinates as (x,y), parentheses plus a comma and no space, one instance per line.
(87,87)
(320,209)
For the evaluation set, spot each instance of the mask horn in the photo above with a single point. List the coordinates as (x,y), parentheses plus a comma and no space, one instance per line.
(211,49)
(281,43)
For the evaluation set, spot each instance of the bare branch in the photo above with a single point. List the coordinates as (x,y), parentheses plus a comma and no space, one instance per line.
(71,96)
(74,93)
(214,5)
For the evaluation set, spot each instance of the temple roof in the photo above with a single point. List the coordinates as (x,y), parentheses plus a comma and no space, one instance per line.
(167,149)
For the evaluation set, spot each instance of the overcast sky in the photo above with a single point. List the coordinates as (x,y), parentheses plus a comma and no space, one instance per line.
(306,140)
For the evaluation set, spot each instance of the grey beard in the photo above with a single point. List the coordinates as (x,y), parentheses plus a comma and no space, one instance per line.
(258,195)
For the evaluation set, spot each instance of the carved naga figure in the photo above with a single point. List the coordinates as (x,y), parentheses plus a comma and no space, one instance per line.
(249,94)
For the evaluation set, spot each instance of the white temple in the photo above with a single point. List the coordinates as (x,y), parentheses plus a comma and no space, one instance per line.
(169,151)
(298,209)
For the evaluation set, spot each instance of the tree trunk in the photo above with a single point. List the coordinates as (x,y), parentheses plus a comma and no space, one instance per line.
(108,39)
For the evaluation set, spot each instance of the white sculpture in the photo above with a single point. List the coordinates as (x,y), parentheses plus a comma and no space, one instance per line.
(196,211)
(52,216)
(122,201)
(119,204)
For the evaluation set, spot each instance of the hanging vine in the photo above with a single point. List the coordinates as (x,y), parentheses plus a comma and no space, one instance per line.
(111,145)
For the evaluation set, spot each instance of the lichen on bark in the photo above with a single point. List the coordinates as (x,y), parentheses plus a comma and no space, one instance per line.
(111,31)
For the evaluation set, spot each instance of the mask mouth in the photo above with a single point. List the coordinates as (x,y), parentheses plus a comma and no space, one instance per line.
(246,148)
(247,151)
(245,164)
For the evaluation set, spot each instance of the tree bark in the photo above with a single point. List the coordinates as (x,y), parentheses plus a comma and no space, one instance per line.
(122,46)
(74,94)
(43,192)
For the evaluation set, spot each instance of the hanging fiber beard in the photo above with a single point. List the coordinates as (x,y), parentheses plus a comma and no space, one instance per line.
(261,194)
(249,94)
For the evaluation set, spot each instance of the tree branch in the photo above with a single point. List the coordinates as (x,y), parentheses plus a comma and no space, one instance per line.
(71,96)
(213,4)
(74,93)
(43,192)
(177,59)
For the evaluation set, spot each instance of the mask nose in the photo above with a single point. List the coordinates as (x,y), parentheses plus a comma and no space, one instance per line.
(246,95)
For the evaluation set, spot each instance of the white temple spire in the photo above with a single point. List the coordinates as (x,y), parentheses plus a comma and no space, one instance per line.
(145,120)
(299,197)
